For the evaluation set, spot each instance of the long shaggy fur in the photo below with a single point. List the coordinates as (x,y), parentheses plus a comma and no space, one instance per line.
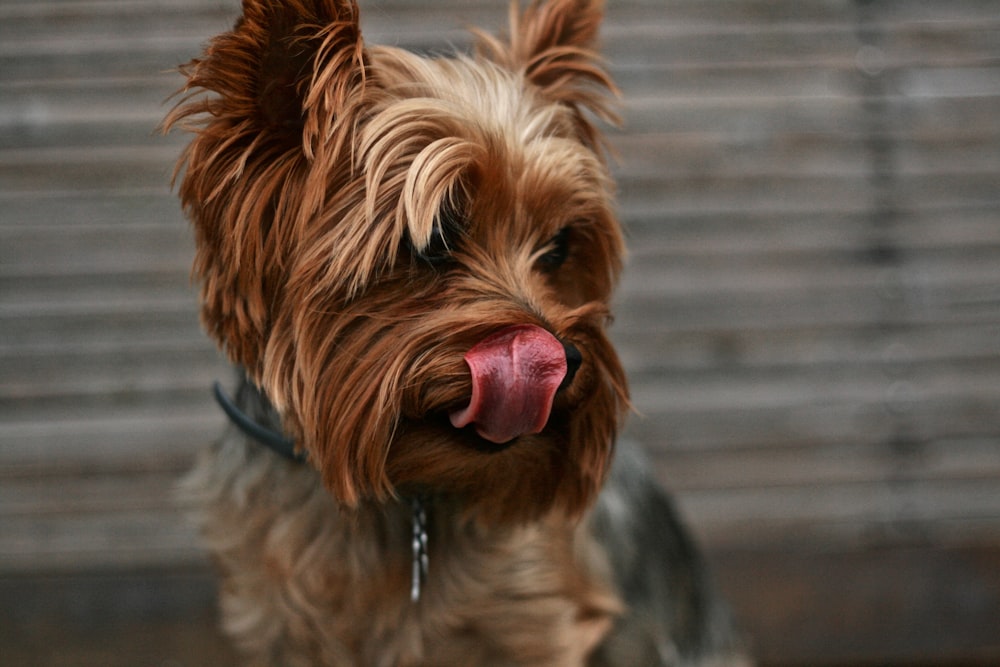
(364,217)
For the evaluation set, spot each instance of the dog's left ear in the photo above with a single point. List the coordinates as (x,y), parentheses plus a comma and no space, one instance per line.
(554,44)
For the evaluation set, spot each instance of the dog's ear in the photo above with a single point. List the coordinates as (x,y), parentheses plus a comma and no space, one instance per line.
(554,44)
(285,70)
(265,101)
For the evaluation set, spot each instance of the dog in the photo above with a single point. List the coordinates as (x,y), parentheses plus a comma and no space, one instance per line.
(410,260)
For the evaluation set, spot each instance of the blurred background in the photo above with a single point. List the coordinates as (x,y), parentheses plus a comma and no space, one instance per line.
(810,316)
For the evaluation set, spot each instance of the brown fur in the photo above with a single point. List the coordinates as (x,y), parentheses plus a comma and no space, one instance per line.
(302,220)
(323,179)
(306,584)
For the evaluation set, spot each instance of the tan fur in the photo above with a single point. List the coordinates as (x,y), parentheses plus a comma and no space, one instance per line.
(307,583)
(364,217)
(301,221)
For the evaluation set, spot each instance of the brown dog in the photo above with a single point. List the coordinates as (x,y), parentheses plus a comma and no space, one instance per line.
(412,258)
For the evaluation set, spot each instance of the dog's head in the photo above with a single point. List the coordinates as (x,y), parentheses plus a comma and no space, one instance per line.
(413,256)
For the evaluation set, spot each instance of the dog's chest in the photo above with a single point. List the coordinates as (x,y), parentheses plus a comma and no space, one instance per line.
(305,583)
(524,597)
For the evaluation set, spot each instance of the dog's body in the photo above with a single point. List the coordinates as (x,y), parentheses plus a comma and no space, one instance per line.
(306,584)
(413,258)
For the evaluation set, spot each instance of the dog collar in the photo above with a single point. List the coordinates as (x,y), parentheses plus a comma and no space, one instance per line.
(273,440)
(285,447)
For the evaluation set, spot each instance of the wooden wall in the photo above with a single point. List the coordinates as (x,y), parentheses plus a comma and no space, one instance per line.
(810,316)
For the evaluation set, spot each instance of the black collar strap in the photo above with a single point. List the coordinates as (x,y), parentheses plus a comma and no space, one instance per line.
(273,440)
(284,446)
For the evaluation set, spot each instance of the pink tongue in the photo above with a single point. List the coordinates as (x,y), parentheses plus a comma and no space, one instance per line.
(515,375)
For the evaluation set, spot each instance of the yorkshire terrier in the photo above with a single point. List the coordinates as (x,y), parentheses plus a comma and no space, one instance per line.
(410,259)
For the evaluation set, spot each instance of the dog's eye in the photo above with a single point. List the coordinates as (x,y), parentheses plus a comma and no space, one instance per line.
(446,233)
(556,251)
(437,250)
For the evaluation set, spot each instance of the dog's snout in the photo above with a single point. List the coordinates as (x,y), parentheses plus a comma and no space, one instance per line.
(573,361)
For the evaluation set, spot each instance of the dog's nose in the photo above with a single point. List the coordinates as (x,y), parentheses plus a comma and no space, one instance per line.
(573,361)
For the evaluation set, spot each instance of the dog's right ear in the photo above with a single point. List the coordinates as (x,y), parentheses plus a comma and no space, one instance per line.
(266,100)
(285,70)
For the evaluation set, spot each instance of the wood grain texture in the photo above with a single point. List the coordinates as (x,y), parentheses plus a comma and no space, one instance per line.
(810,315)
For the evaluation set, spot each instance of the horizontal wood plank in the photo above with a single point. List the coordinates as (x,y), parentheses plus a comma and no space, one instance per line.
(810,313)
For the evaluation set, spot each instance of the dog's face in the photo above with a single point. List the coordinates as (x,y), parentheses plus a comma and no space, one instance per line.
(413,257)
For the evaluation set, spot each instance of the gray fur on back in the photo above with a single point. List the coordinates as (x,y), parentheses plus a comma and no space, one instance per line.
(674,615)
